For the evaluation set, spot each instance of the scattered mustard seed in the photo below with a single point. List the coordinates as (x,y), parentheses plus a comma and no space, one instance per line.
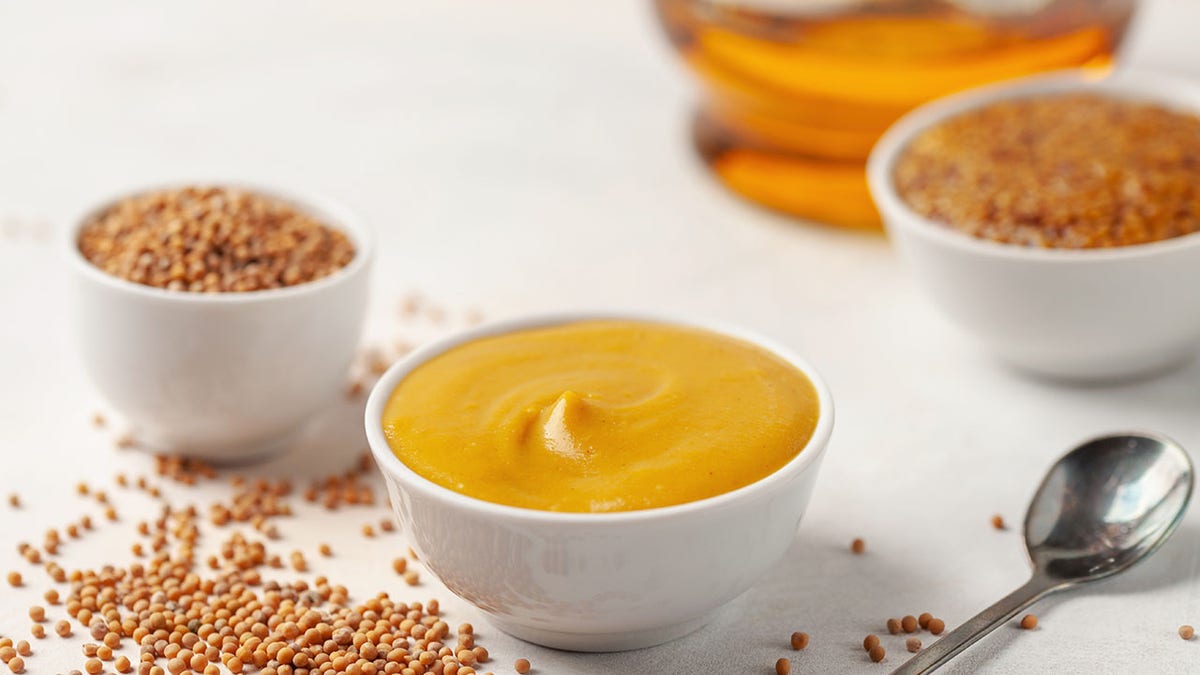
(936,626)
(894,626)
(63,628)
(14,578)
(783,667)
(909,624)
(37,630)
(14,500)
(37,613)
(400,565)
(858,546)
(521,666)
(16,664)
(23,648)
(877,653)
(1029,622)
(368,531)
(870,642)
(1187,632)
(325,550)
(913,644)
(998,522)
(799,641)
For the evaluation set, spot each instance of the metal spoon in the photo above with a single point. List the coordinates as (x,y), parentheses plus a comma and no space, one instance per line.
(1104,507)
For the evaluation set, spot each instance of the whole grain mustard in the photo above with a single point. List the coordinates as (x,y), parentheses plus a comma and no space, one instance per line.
(598,416)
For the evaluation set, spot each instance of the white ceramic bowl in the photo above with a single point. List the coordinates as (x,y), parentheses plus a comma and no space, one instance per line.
(1101,314)
(221,376)
(598,581)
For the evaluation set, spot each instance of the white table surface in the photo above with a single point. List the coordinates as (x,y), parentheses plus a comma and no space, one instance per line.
(531,155)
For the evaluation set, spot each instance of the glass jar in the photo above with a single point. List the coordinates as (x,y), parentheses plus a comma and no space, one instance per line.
(797,91)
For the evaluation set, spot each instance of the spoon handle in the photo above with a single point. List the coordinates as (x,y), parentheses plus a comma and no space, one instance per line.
(949,645)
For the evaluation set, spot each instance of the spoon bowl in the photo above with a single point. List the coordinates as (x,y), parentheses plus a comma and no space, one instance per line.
(1106,505)
(1102,508)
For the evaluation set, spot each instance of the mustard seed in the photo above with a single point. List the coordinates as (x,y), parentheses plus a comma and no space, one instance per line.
(799,641)
(1187,632)
(400,565)
(998,522)
(98,420)
(23,648)
(387,525)
(7,652)
(93,666)
(63,628)
(858,546)
(37,613)
(122,664)
(412,578)
(14,578)
(521,666)
(1029,622)
(894,626)
(325,550)
(877,653)
(909,624)
(870,642)
(37,630)
(924,619)
(16,664)
(913,644)
(936,626)
(368,531)
(104,653)
(783,667)
(14,500)
(82,488)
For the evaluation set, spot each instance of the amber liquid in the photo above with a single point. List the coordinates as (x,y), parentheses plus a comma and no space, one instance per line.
(797,92)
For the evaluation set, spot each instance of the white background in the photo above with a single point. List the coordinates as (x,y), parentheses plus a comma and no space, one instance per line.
(531,155)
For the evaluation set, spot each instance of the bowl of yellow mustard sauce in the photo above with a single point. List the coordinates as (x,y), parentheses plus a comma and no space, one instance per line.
(600,482)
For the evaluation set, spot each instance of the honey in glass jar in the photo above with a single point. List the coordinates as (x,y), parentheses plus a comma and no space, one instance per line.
(797,91)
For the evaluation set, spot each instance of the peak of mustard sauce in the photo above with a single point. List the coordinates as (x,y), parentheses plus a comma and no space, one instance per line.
(596,416)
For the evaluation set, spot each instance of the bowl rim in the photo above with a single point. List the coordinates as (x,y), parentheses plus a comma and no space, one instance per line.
(390,464)
(1171,91)
(329,211)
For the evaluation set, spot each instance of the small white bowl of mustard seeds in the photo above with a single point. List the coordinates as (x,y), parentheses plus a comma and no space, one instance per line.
(1056,218)
(218,319)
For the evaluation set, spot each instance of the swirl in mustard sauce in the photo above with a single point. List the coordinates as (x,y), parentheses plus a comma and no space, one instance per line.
(596,416)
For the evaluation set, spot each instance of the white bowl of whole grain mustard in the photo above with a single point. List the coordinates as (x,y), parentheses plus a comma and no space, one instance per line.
(1067,258)
(226,356)
(584,482)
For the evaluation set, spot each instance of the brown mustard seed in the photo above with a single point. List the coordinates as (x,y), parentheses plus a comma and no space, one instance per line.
(894,626)
(1029,622)
(924,619)
(913,644)
(998,522)
(1073,171)
(936,626)
(521,666)
(1187,632)
(14,579)
(909,624)
(212,239)
(799,641)
(877,653)
(870,641)
(858,546)
(783,667)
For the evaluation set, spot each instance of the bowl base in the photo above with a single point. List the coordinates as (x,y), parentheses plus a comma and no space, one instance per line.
(600,642)
(224,455)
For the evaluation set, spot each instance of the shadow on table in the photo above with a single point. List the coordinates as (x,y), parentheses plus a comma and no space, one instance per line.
(331,443)
(795,595)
